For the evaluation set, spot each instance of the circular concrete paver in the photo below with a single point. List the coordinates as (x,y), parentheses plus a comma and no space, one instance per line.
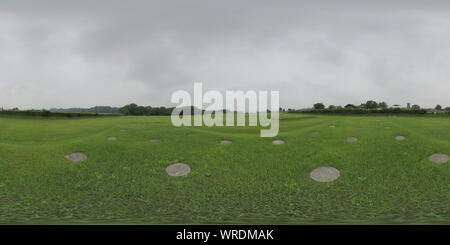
(76,157)
(352,139)
(178,169)
(399,138)
(439,158)
(156,140)
(325,174)
(278,142)
(112,138)
(226,142)
(315,133)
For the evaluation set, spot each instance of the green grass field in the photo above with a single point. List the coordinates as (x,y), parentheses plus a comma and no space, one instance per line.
(250,181)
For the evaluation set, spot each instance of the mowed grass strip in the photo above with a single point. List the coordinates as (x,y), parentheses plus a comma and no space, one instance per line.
(382,180)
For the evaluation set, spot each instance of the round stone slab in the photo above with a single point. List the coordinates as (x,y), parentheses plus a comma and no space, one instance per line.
(226,142)
(400,137)
(76,157)
(387,127)
(123,130)
(156,140)
(332,126)
(439,158)
(277,142)
(352,139)
(112,138)
(315,133)
(191,134)
(178,169)
(325,174)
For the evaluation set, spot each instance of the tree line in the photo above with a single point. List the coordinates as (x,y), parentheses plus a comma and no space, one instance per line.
(136,110)
(372,105)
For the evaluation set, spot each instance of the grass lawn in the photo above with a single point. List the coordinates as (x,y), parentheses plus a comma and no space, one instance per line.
(382,180)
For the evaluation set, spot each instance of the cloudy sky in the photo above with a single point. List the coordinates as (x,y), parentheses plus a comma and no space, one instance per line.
(87,53)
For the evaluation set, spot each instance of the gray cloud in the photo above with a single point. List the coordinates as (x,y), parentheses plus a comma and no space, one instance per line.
(86,53)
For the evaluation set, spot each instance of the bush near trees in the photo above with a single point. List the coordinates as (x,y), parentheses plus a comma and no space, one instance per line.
(415,107)
(438,107)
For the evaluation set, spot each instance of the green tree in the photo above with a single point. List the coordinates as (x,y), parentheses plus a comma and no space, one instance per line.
(371,104)
(383,105)
(415,107)
(131,109)
(438,107)
(319,106)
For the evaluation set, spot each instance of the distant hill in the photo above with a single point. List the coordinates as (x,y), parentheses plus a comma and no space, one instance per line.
(96,109)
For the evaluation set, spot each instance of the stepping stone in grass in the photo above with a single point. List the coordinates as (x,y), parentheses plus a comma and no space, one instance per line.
(387,127)
(76,157)
(156,140)
(178,169)
(439,158)
(112,138)
(400,138)
(357,128)
(123,130)
(191,134)
(325,174)
(332,126)
(352,139)
(277,142)
(315,133)
(226,142)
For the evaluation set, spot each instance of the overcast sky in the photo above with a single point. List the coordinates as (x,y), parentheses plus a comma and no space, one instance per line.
(88,53)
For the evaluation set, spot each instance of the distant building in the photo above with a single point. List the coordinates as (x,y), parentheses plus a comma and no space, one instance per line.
(351,106)
(396,106)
